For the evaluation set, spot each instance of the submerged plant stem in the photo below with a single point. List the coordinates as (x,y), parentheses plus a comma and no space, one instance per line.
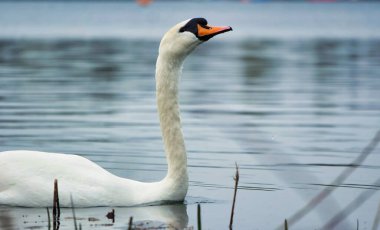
(130,223)
(48,215)
(376,221)
(56,208)
(73,210)
(199,220)
(286,224)
(236,178)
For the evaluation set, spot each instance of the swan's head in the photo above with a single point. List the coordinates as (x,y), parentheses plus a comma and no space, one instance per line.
(181,39)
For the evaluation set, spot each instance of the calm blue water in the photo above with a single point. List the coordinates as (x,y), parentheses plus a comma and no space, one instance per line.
(291,96)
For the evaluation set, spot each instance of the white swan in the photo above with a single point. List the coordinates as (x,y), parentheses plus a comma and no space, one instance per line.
(26,177)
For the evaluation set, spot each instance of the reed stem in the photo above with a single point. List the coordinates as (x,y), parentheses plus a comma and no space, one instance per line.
(56,208)
(236,178)
(73,210)
(130,223)
(199,217)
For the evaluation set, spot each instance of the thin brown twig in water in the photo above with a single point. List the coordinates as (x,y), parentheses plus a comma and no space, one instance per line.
(130,223)
(286,224)
(357,224)
(338,180)
(56,208)
(199,221)
(73,210)
(376,221)
(55,200)
(236,178)
(48,215)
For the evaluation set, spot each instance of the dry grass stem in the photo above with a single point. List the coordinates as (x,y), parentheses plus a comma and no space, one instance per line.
(286,224)
(236,178)
(73,210)
(376,221)
(56,208)
(199,220)
(130,223)
(48,215)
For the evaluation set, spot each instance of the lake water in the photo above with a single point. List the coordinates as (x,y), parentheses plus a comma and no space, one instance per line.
(291,95)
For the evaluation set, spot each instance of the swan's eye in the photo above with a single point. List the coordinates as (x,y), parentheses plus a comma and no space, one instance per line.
(202,21)
(192,25)
(206,27)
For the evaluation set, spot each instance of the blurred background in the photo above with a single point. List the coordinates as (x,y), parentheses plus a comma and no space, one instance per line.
(291,95)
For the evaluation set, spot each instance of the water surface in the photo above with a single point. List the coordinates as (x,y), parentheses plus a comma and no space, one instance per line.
(291,100)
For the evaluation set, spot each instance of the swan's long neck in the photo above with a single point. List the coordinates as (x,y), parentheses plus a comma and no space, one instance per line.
(168,71)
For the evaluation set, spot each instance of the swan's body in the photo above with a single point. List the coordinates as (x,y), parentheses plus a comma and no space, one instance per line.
(26,177)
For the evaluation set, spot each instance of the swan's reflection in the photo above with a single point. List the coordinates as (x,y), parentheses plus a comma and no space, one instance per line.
(173,216)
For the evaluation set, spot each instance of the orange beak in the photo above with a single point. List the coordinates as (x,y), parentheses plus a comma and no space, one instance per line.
(211,31)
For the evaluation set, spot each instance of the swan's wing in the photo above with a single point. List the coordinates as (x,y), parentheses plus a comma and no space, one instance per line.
(30,175)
